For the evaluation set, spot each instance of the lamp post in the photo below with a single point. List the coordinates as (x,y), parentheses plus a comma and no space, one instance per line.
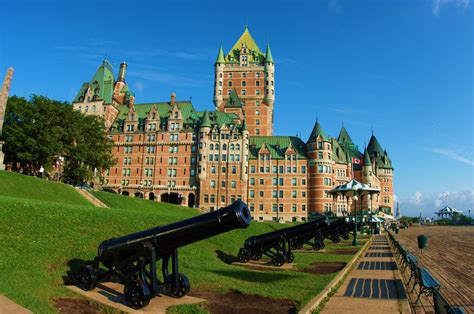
(354,241)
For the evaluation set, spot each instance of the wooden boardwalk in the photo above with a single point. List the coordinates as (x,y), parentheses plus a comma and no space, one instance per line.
(449,257)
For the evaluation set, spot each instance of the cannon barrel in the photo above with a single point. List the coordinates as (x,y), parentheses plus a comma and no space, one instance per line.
(287,232)
(305,228)
(169,237)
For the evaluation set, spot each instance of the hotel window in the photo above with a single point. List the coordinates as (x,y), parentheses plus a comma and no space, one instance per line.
(252,181)
(288,169)
(274,193)
(222,184)
(260,207)
(274,208)
(213,169)
(244,83)
(257,122)
(303,207)
(234,169)
(257,83)
(303,194)
(252,193)
(244,92)
(257,131)
(275,169)
(213,198)
(229,91)
(258,73)
(252,169)
(262,181)
(257,112)
(320,155)
(230,83)
(233,184)
(275,181)
(224,169)
(257,92)
(251,207)
(262,194)
(257,103)
(293,181)
(213,183)
(293,194)
(293,208)
(206,198)
(230,75)
(244,75)
(280,194)
(281,181)
(280,207)
(303,181)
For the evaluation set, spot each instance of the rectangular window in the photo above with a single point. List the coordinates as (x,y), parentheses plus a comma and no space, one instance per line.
(293,181)
(293,194)
(280,194)
(252,193)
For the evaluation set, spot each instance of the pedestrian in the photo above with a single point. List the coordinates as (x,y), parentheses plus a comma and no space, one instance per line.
(41,171)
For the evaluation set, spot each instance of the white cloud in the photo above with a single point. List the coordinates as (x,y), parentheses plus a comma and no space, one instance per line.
(139,86)
(437,4)
(452,154)
(412,205)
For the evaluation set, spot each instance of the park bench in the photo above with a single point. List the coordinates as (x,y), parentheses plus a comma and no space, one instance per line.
(442,306)
(413,264)
(408,260)
(427,283)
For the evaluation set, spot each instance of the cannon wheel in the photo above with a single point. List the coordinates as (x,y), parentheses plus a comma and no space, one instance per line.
(137,294)
(183,288)
(335,237)
(243,256)
(290,257)
(256,256)
(87,277)
(278,260)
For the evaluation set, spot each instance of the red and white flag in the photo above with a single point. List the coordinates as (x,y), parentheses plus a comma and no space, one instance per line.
(356,161)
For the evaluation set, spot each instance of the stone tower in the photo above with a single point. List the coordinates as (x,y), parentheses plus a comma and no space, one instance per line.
(3,104)
(319,150)
(248,74)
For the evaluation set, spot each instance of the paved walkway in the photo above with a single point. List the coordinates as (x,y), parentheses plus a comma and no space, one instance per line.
(373,286)
(7,306)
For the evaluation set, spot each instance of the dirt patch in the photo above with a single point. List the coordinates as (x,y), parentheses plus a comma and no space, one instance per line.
(235,302)
(262,267)
(75,306)
(324,268)
(342,251)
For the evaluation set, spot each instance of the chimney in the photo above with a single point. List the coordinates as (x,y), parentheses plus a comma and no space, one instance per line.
(121,75)
(131,102)
(173,99)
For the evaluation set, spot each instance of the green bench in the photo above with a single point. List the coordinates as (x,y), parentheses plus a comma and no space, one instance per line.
(442,306)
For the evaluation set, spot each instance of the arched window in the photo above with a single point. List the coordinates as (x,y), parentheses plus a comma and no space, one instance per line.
(153,115)
(211,147)
(230,83)
(237,146)
(232,146)
(224,146)
(217,146)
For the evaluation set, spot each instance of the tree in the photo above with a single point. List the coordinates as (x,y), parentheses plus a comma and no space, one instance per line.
(39,131)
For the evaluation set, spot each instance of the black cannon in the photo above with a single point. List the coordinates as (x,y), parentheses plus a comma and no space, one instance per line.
(132,259)
(337,229)
(278,244)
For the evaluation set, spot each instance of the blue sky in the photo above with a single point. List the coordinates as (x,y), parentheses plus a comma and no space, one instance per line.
(402,68)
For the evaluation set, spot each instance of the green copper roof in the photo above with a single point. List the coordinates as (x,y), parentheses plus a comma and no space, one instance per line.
(220,56)
(234,100)
(268,55)
(367,161)
(101,84)
(344,137)
(277,145)
(378,154)
(317,131)
(253,50)
(339,155)
(206,121)
(374,146)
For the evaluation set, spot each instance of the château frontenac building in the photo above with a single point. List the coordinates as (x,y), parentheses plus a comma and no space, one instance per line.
(169,151)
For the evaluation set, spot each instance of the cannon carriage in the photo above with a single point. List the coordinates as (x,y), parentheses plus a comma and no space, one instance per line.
(278,245)
(132,259)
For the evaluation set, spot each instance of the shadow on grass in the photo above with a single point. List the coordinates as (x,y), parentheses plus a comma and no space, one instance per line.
(226,258)
(253,276)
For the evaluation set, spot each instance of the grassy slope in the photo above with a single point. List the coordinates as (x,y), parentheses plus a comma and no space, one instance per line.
(39,239)
(17,185)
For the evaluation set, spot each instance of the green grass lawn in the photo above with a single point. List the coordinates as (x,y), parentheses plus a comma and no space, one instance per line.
(18,185)
(41,234)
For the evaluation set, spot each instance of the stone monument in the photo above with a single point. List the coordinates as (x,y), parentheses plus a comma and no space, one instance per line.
(3,104)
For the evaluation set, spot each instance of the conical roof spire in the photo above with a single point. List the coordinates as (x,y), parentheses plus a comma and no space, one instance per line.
(317,131)
(206,121)
(268,55)
(367,161)
(344,137)
(220,56)
(374,146)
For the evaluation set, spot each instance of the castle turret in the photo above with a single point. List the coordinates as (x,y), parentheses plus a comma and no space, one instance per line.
(269,77)
(319,151)
(121,74)
(204,130)
(219,79)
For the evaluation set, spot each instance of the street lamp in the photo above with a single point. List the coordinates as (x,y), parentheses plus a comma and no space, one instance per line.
(369,213)
(354,241)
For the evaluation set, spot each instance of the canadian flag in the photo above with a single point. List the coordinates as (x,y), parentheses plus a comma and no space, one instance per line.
(356,161)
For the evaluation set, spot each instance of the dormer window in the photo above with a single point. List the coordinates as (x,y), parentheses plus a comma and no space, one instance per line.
(153,115)
(176,115)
